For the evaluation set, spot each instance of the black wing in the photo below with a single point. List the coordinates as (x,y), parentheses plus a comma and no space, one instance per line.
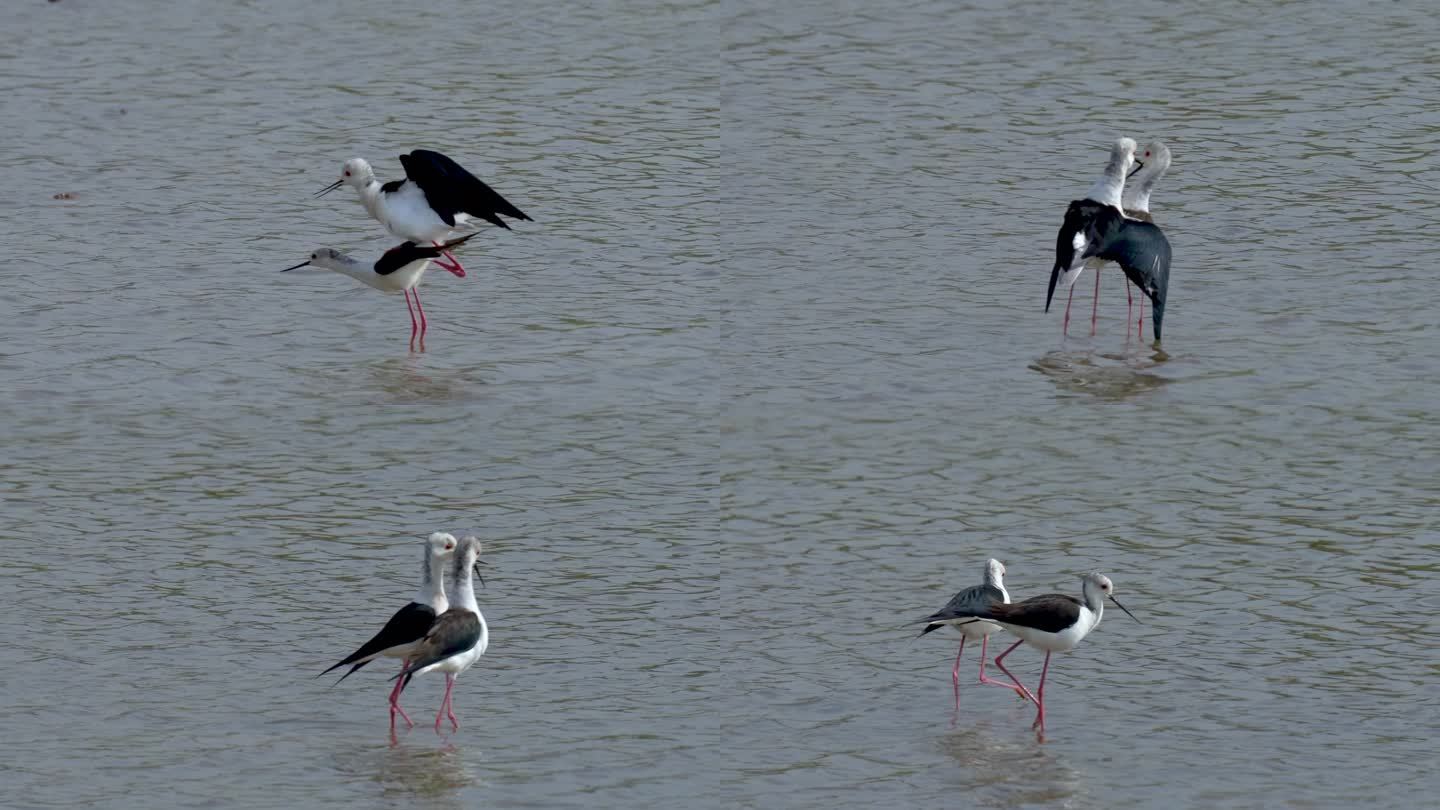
(456,631)
(451,190)
(1143,252)
(409,624)
(964,605)
(403,254)
(1087,217)
(1051,612)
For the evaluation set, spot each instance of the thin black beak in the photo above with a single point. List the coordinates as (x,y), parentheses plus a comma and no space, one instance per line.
(296,267)
(330,188)
(1122,607)
(476,569)
(1138,167)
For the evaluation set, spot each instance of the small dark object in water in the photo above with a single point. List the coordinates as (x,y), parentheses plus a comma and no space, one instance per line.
(64,195)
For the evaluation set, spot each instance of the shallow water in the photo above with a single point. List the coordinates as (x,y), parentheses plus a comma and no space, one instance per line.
(767,379)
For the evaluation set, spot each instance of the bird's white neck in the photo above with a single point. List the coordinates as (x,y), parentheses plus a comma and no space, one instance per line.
(1094,602)
(997,580)
(369,191)
(1137,190)
(1111,185)
(432,583)
(347,266)
(465,585)
(1139,202)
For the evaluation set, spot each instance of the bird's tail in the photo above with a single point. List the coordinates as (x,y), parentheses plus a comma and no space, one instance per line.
(1054,277)
(351,672)
(462,240)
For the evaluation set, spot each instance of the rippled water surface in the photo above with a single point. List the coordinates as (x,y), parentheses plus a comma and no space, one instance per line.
(767,379)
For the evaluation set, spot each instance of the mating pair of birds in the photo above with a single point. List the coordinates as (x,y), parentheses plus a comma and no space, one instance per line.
(433,633)
(1113,224)
(437,196)
(1053,622)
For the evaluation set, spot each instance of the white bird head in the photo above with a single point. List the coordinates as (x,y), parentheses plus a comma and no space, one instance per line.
(1152,161)
(1103,588)
(1150,166)
(994,571)
(442,544)
(1123,153)
(1107,189)
(467,555)
(327,258)
(356,172)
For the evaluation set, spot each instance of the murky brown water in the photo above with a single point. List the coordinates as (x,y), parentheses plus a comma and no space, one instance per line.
(768,378)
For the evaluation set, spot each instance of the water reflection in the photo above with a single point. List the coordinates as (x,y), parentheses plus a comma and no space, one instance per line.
(414,766)
(1013,769)
(1103,375)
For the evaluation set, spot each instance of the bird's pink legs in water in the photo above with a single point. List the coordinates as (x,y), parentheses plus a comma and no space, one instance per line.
(450,262)
(1065,328)
(985,640)
(1000,662)
(1140,324)
(395,699)
(445,707)
(955,673)
(1040,696)
(1095,308)
(414,327)
(1129,307)
(423,325)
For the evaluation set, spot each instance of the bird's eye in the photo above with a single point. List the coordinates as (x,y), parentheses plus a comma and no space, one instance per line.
(314,255)
(347,172)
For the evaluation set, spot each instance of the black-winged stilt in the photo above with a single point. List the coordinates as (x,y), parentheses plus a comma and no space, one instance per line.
(959,612)
(401,636)
(459,636)
(398,270)
(437,196)
(1096,226)
(1151,164)
(1054,622)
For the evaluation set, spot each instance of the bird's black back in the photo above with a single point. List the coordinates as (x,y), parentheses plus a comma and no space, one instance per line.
(1088,217)
(1140,248)
(451,190)
(963,605)
(456,631)
(409,624)
(1143,252)
(1049,613)
(403,254)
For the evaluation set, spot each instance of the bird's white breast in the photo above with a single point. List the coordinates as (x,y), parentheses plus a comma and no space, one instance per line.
(407,214)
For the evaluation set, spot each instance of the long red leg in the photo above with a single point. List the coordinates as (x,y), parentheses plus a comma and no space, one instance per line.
(395,699)
(985,640)
(414,327)
(419,306)
(450,705)
(1140,324)
(445,704)
(1040,715)
(955,673)
(1000,662)
(1129,307)
(1065,328)
(450,263)
(1095,308)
